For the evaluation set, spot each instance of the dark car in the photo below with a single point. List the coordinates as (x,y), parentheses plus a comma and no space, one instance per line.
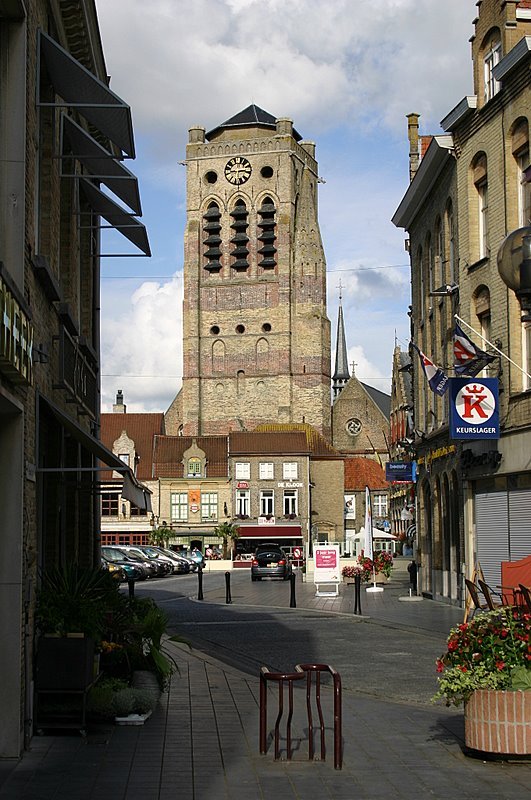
(117,555)
(132,571)
(270,561)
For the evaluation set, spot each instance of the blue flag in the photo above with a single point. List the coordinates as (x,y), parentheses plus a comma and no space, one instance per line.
(468,358)
(437,378)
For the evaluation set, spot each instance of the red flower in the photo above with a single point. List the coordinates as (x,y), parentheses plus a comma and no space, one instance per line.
(500,665)
(453,645)
(440,665)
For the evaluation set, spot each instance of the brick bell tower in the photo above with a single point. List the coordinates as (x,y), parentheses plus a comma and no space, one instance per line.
(256,337)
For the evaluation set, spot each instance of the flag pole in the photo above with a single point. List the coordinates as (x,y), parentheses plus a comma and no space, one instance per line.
(369,540)
(470,328)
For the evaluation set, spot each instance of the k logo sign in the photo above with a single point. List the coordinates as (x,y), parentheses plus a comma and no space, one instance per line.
(474,412)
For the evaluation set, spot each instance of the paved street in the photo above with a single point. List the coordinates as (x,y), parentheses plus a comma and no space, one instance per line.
(202,740)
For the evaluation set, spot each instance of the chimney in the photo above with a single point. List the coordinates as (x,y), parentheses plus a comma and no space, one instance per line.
(413,136)
(119,407)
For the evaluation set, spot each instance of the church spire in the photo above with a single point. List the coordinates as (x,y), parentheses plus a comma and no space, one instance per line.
(341,372)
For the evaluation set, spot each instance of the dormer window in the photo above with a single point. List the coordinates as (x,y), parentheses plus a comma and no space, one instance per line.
(194,468)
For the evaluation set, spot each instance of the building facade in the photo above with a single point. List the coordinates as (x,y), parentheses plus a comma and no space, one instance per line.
(470,190)
(62,134)
(256,337)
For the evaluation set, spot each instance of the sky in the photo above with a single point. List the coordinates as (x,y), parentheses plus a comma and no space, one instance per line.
(347,72)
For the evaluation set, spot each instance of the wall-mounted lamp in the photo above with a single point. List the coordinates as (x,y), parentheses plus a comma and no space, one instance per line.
(514,266)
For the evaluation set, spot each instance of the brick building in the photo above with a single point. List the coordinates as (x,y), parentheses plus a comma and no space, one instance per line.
(61,131)
(470,189)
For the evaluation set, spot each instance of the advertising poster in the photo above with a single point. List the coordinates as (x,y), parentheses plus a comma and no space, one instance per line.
(326,563)
(350,506)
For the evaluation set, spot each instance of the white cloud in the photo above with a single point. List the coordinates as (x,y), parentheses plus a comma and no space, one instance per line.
(142,344)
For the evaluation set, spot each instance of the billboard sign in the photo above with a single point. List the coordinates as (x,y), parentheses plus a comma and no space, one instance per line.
(474,408)
(326,563)
(401,471)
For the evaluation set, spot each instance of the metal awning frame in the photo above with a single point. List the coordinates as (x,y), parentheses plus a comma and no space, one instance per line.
(72,81)
(117,217)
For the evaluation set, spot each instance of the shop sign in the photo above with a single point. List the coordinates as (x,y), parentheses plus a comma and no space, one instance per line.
(266,520)
(474,408)
(326,563)
(16,339)
(242,485)
(289,485)
(401,471)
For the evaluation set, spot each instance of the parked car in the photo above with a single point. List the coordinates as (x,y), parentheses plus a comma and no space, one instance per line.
(117,572)
(119,555)
(133,570)
(161,570)
(183,565)
(155,553)
(270,561)
(195,555)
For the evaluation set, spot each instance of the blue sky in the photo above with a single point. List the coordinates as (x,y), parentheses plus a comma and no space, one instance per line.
(347,73)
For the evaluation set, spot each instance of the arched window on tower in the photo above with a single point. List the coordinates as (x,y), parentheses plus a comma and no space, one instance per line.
(262,355)
(218,357)
(212,238)
(240,239)
(267,234)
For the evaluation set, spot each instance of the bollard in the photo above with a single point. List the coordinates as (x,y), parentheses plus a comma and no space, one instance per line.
(292,600)
(357,594)
(131,585)
(228,598)
(200,583)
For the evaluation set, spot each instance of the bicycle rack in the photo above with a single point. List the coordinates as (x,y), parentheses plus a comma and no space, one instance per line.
(302,671)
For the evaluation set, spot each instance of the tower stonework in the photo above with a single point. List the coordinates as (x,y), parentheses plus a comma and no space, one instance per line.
(256,337)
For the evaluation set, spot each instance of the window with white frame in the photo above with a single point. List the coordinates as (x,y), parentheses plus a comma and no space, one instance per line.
(491,58)
(179,506)
(267,503)
(194,467)
(290,502)
(524,189)
(266,471)
(290,470)
(242,470)
(451,242)
(209,505)
(483,218)
(243,503)
(379,505)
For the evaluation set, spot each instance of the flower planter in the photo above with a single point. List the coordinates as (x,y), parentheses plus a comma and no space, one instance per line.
(133,719)
(497,723)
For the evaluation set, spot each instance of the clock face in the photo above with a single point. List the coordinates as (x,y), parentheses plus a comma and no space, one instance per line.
(237,170)
(354,426)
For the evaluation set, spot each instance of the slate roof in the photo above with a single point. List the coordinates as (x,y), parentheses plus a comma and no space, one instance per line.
(382,400)
(168,454)
(141,428)
(251,117)
(362,472)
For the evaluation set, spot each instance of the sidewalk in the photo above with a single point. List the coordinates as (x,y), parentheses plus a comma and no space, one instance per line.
(202,741)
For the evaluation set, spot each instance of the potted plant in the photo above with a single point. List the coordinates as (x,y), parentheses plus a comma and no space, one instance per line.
(227,531)
(487,667)
(379,567)
(72,610)
(349,572)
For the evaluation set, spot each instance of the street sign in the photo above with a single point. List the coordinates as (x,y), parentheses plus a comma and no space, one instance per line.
(474,408)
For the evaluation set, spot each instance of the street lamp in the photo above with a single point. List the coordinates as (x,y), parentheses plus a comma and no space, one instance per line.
(514,266)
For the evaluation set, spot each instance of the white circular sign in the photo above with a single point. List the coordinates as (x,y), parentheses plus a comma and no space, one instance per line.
(475,403)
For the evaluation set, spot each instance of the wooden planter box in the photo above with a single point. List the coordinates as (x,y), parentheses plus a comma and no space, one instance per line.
(498,723)
(64,663)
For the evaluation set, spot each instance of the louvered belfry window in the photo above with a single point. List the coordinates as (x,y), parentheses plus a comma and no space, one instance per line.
(239,238)
(212,238)
(267,234)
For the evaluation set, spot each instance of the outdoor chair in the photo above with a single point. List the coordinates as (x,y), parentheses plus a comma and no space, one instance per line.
(488,595)
(526,598)
(474,594)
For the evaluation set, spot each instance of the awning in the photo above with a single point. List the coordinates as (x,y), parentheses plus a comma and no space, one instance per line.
(132,490)
(80,89)
(117,218)
(100,163)
(269,531)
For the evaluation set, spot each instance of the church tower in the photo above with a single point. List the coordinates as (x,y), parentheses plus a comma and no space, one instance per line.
(341,373)
(256,337)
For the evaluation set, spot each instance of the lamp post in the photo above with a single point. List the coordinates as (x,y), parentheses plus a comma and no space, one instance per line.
(514,266)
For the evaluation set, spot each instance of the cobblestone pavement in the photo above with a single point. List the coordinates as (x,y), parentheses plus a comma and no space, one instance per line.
(202,741)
